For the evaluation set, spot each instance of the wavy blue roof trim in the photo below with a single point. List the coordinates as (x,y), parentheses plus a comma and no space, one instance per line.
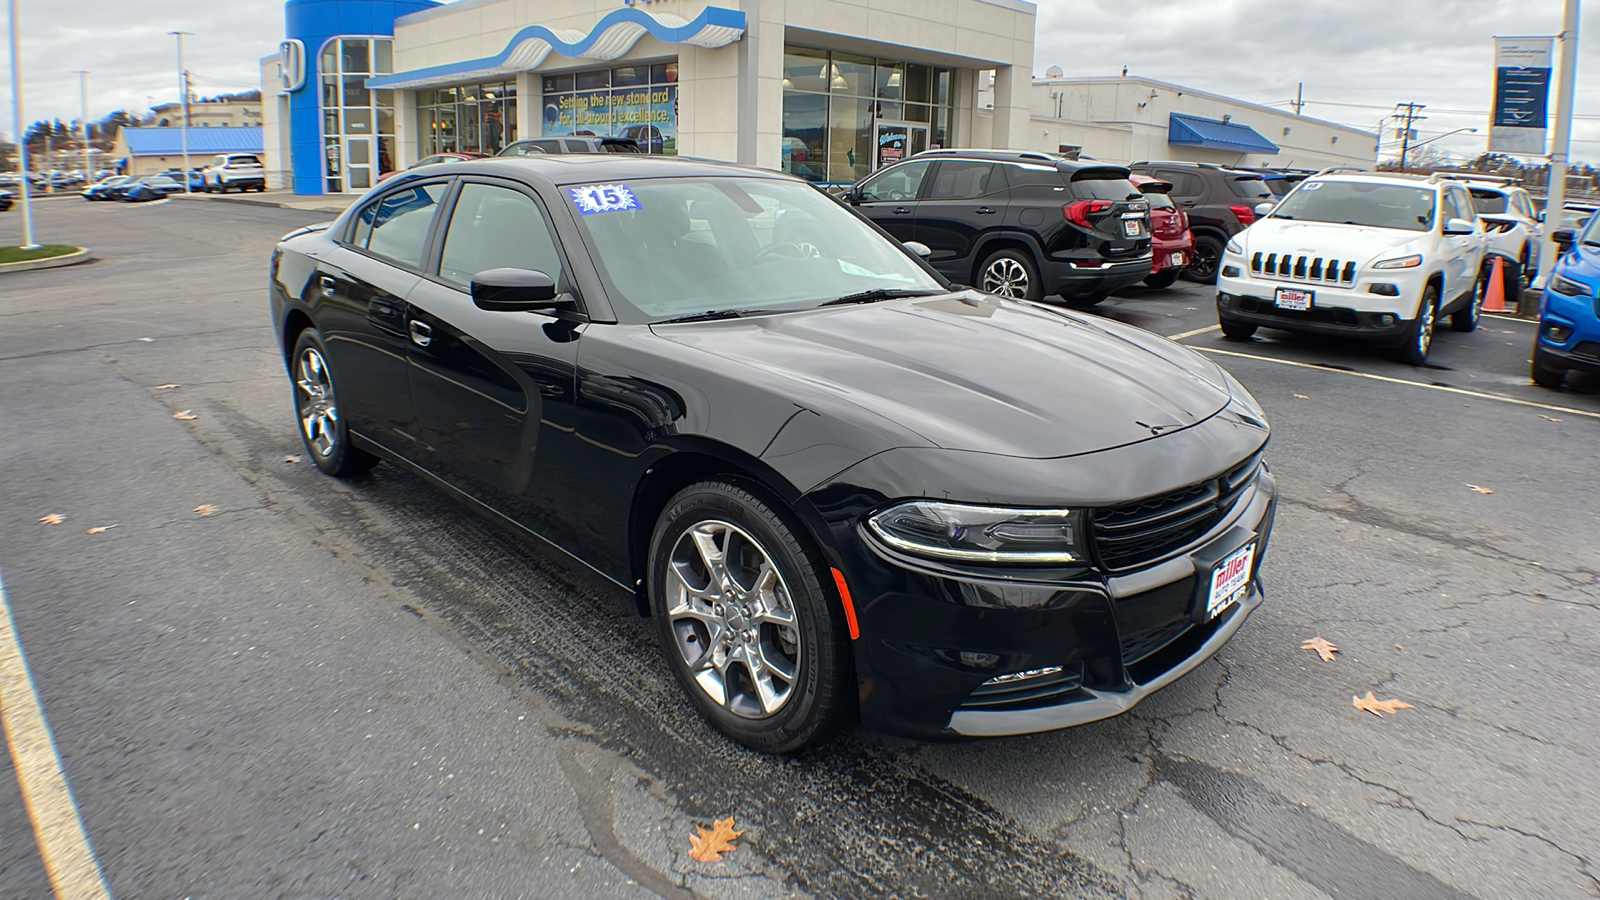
(610,38)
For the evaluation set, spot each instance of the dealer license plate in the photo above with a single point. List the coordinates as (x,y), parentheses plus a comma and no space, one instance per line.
(1133,227)
(1177,259)
(1230,580)
(1289,298)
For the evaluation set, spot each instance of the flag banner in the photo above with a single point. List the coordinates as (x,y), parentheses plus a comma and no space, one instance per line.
(1517,120)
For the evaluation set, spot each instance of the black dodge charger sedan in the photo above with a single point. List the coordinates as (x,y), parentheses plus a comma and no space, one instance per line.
(841,488)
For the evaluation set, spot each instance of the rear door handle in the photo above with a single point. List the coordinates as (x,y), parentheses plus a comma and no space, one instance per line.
(902,211)
(421,333)
(987,210)
(327,286)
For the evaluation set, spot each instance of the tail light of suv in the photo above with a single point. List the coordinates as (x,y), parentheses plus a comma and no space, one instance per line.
(1247,216)
(1078,213)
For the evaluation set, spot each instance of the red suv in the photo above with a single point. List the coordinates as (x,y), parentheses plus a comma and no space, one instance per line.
(1171,243)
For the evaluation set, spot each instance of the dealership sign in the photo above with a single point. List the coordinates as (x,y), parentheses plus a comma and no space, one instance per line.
(1521,95)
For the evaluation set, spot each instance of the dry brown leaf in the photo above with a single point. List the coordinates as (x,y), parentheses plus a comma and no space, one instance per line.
(1549,418)
(100,529)
(167,387)
(205,509)
(1399,646)
(184,416)
(1302,397)
(1323,648)
(52,519)
(294,458)
(710,843)
(1378,707)
(1481,490)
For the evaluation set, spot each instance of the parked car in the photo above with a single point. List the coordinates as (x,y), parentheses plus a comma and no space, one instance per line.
(1576,215)
(197,180)
(1016,223)
(1219,201)
(572,143)
(1569,312)
(150,187)
(101,189)
(1359,254)
(1171,243)
(233,172)
(1508,216)
(434,159)
(648,137)
(7,198)
(990,517)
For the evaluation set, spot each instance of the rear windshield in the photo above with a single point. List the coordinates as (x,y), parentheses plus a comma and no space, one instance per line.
(1251,189)
(1488,202)
(1105,189)
(1360,203)
(1280,186)
(1159,201)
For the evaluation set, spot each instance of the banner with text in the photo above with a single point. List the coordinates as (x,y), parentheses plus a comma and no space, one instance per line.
(1521,95)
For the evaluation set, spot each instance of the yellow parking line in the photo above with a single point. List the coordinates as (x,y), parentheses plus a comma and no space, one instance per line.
(63,844)
(1420,384)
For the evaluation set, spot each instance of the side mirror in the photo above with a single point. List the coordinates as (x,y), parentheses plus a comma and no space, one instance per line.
(1540,217)
(513,290)
(1564,238)
(853,196)
(919,248)
(1457,227)
(1263,209)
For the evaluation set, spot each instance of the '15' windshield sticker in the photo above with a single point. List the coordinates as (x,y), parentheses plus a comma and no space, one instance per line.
(1314,185)
(601,198)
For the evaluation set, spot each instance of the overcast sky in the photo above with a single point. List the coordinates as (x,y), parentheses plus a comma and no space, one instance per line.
(1357,58)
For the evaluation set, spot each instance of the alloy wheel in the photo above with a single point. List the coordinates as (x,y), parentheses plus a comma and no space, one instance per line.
(319,412)
(1006,277)
(1425,329)
(733,619)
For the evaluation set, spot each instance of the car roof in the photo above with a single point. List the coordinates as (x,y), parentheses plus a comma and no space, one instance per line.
(1028,156)
(1421,181)
(585,168)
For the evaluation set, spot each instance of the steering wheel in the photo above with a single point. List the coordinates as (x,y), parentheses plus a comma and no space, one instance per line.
(785,249)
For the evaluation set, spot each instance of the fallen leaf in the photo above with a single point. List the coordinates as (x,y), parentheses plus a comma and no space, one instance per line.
(1323,648)
(1378,707)
(709,843)
(1302,397)
(205,509)
(1399,646)
(166,387)
(184,416)
(1481,490)
(51,519)
(1191,308)
(100,529)
(294,458)
(1549,418)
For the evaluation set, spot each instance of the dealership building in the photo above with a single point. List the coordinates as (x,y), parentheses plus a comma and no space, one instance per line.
(829,90)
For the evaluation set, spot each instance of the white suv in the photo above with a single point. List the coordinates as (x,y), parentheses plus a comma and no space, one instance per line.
(234,171)
(1508,215)
(1358,254)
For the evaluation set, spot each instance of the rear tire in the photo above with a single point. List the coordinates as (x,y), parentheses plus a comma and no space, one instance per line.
(1162,279)
(1087,301)
(1207,259)
(1419,338)
(1010,273)
(1544,373)
(730,579)
(1466,318)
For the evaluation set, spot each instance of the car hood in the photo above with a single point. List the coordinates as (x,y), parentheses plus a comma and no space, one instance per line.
(972,372)
(1325,239)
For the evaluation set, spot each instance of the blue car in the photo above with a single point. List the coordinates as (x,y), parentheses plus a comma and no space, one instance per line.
(1569,314)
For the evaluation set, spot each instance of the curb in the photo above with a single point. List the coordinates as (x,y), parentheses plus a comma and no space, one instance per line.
(83,255)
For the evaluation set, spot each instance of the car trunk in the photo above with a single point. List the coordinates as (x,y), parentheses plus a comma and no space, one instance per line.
(1111,210)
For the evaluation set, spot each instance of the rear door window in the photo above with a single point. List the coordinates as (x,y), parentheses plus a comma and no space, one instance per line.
(960,179)
(1184,183)
(1251,189)
(396,225)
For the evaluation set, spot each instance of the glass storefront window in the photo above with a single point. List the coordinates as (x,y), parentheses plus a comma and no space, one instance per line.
(352,114)
(805,69)
(641,104)
(473,118)
(850,121)
(805,135)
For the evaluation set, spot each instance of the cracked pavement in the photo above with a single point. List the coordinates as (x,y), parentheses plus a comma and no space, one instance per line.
(363,690)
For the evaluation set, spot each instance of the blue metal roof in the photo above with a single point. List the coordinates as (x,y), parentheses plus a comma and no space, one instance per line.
(1194,131)
(169,141)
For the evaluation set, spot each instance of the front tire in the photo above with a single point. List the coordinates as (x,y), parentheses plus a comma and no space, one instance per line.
(323,429)
(745,620)
(1419,339)
(1544,373)
(1207,259)
(1237,331)
(1010,273)
(1162,279)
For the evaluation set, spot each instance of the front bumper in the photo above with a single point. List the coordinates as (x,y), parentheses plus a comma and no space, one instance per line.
(1348,310)
(1082,278)
(1580,350)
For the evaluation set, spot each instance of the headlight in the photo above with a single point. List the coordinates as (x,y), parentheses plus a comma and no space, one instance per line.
(1400,262)
(982,534)
(1569,287)
(1235,247)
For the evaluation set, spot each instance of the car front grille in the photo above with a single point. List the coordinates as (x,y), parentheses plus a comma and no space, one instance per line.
(1156,527)
(1303,268)
(1028,693)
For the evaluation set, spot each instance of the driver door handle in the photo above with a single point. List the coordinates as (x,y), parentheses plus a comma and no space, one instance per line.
(902,211)
(421,333)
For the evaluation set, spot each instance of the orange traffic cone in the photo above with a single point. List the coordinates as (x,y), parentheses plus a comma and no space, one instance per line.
(1494,299)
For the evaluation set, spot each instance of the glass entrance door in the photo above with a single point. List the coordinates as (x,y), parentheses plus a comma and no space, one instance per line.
(898,140)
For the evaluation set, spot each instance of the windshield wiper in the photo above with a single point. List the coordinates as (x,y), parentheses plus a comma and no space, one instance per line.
(877,294)
(711,315)
(1280,216)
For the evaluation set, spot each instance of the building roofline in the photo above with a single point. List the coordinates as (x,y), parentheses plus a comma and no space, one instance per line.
(1198,92)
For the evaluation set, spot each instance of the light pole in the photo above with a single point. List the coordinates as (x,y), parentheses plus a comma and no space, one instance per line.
(1441,137)
(183,94)
(88,167)
(1561,141)
(28,242)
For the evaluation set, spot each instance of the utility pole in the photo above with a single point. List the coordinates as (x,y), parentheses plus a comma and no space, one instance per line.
(1299,97)
(1405,134)
(1561,143)
(17,118)
(183,87)
(88,166)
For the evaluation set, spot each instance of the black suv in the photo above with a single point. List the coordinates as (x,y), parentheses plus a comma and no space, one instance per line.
(1015,223)
(1221,202)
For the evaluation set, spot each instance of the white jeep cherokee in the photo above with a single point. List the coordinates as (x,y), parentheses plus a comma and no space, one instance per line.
(1358,254)
(234,171)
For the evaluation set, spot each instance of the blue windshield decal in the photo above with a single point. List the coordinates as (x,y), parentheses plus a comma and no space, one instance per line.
(602,198)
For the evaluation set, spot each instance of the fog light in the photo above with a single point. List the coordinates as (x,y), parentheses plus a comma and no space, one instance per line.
(1230,271)
(1024,675)
(1383,290)
(1387,319)
(1557,334)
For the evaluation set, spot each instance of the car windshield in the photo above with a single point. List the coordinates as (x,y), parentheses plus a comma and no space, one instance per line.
(1158,200)
(675,247)
(1488,202)
(1591,232)
(1360,203)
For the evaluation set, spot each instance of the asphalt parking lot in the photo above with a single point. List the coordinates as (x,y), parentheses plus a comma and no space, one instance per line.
(362,690)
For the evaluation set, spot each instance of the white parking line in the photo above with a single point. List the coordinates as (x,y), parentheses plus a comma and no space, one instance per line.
(57,827)
(1420,384)
(1190,334)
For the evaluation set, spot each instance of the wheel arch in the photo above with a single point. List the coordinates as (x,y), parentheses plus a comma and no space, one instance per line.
(1004,240)
(294,323)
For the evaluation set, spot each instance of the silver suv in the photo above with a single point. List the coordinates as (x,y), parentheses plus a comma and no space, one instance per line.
(234,171)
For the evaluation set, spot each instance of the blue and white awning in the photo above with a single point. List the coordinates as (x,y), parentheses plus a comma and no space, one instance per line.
(1195,131)
(610,38)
